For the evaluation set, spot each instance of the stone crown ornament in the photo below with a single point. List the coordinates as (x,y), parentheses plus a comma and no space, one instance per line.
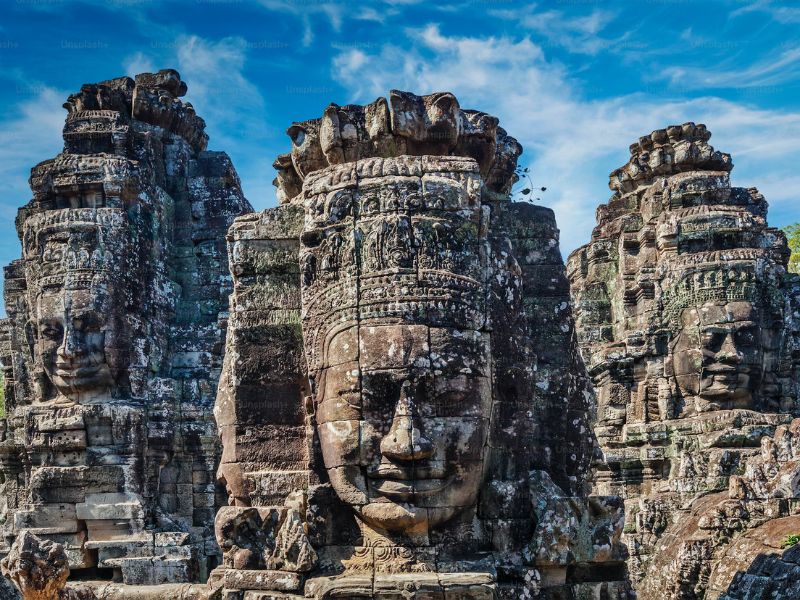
(73,248)
(734,283)
(406,124)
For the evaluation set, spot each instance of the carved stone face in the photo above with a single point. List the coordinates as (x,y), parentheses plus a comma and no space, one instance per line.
(72,329)
(403,414)
(718,357)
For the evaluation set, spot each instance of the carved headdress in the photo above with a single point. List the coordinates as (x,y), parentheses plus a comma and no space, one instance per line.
(728,282)
(411,251)
(74,249)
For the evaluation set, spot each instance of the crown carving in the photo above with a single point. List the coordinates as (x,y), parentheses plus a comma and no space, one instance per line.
(73,248)
(738,283)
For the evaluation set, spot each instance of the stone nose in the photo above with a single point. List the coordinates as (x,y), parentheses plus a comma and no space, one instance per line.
(728,352)
(72,345)
(405,440)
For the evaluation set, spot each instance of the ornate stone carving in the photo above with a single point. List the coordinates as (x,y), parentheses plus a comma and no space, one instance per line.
(687,322)
(400,361)
(114,338)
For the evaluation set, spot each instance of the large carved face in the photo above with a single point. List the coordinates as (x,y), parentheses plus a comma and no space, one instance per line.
(718,356)
(402,415)
(72,328)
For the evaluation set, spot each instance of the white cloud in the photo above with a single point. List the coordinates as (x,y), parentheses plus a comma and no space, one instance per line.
(571,142)
(138,63)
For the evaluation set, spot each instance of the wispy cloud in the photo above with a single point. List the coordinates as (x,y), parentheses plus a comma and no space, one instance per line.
(780,13)
(30,133)
(571,142)
(334,13)
(138,63)
(782,68)
(218,88)
(577,34)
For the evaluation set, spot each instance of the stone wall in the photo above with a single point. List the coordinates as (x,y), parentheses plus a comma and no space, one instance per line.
(113,344)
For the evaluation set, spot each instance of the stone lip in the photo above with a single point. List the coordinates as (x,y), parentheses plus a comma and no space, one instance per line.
(405,124)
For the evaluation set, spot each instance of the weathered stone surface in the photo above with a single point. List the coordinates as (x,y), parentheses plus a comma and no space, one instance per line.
(714,546)
(113,344)
(688,324)
(401,407)
(39,568)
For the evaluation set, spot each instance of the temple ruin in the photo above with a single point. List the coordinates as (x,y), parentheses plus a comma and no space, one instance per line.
(377,389)
(115,337)
(689,323)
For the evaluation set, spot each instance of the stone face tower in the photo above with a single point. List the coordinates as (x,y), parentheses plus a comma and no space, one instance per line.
(402,407)
(688,323)
(114,336)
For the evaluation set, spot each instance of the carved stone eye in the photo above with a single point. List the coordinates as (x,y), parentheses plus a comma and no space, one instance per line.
(51,331)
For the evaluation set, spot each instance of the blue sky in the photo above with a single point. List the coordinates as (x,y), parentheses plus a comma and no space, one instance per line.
(576,81)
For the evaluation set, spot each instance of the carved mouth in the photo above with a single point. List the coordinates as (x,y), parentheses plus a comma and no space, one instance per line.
(407,489)
(403,483)
(79,372)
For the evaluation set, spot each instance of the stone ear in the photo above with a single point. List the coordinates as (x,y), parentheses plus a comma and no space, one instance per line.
(31,337)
